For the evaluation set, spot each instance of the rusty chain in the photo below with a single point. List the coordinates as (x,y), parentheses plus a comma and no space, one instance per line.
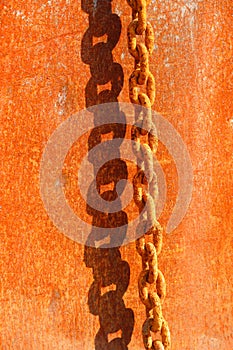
(151,281)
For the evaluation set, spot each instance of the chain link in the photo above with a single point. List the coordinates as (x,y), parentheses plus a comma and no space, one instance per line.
(151,281)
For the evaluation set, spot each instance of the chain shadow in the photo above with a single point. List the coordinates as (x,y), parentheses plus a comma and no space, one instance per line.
(110,272)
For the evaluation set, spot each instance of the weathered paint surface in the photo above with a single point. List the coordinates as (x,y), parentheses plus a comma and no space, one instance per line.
(44,281)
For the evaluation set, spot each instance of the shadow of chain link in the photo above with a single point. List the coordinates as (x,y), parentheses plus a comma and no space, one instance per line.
(110,273)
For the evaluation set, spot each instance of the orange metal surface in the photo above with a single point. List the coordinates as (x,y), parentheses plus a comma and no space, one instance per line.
(44,279)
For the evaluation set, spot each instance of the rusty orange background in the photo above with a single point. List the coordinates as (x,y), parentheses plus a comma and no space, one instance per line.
(44,281)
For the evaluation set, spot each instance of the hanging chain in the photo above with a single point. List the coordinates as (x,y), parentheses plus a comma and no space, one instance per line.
(151,282)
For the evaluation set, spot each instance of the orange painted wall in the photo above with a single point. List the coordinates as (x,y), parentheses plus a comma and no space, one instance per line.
(44,280)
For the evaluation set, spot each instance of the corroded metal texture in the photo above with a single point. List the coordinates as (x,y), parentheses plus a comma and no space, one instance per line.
(44,279)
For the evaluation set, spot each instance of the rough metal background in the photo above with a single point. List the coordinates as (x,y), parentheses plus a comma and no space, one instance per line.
(44,281)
